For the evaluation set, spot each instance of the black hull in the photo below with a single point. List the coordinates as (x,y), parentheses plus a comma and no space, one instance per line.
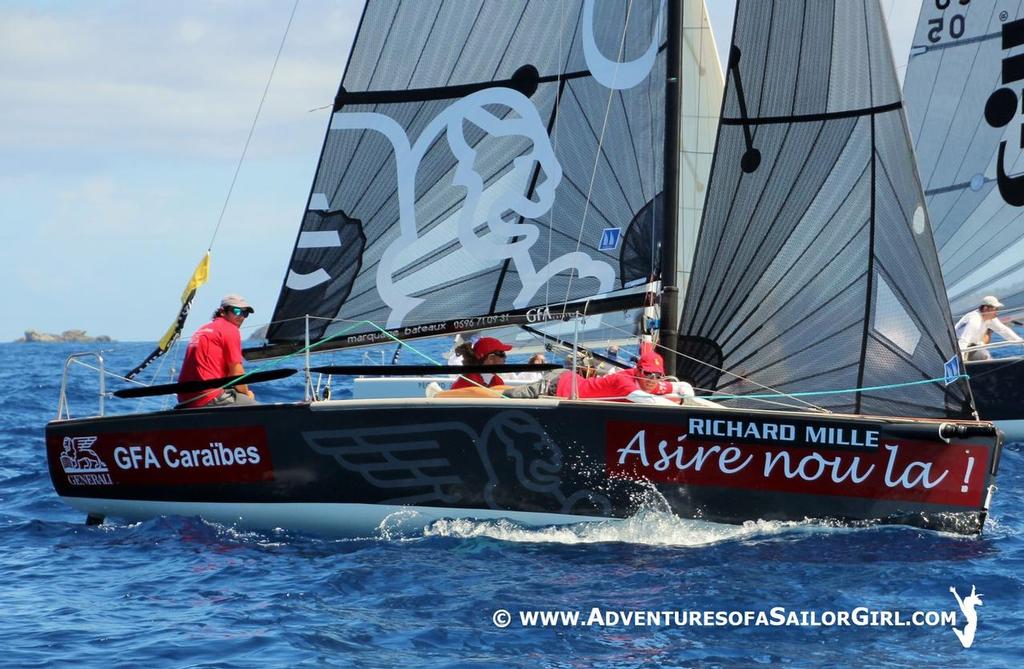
(341,467)
(998,388)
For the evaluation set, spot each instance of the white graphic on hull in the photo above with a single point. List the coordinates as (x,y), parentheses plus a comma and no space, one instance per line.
(79,458)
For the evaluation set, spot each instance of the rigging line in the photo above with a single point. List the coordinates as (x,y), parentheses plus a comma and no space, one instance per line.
(805,349)
(252,128)
(597,151)
(711,392)
(652,152)
(562,65)
(981,374)
(733,374)
(107,372)
(271,361)
(811,393)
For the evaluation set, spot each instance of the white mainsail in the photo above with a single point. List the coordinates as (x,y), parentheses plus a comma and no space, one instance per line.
(700,104)
(963,89)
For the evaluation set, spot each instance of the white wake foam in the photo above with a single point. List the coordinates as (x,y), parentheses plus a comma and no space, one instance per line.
(654,528)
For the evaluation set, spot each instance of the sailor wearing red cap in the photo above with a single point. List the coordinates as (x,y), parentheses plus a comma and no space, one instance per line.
(643,384)
(486,351)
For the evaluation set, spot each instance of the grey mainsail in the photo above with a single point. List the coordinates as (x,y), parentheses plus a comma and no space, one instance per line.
(963,88)
(464,187)
(815,268)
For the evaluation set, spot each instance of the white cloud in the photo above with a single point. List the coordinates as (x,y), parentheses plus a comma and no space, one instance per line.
(184,80)
(191,31)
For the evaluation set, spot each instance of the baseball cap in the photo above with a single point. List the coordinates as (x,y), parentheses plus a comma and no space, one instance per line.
(651,362)
(487,345)
(991,301)
(236,301)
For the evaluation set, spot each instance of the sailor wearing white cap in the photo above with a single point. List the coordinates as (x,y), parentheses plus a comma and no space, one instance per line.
(971,330)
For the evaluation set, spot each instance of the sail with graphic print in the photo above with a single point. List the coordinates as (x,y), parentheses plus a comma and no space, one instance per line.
(815,195)
(463,188)
(500,163)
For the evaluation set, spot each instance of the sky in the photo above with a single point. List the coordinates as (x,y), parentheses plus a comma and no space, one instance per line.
(121,125)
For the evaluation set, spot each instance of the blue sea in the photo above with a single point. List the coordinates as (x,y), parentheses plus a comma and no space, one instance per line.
(183,592)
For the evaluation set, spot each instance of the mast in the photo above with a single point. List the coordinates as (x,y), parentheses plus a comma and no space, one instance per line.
(669,327)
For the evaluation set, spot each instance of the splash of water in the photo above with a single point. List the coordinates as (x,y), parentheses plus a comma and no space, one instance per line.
(653,528)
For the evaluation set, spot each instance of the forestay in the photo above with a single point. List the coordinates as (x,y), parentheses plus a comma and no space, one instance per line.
(963,88)
(486,163)
(815,267)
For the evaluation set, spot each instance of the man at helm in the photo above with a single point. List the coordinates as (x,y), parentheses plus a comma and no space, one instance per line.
(215,351)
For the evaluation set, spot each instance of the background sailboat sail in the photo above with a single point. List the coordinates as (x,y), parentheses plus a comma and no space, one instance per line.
(700,104)
(815,268)
(461,187)
(963,88)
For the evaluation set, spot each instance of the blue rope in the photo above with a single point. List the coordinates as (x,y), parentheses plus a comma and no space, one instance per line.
(834,392)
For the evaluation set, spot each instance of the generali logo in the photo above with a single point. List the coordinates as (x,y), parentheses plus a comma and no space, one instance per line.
(967,606)
(82,464)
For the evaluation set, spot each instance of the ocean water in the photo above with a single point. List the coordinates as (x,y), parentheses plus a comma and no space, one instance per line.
(182,592)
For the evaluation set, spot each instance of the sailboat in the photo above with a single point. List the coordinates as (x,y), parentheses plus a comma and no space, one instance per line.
(963,86)
(536,173)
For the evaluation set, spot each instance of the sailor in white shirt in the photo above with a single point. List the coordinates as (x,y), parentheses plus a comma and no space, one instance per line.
(971,329)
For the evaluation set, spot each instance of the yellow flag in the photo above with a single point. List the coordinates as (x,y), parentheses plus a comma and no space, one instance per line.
(198,278)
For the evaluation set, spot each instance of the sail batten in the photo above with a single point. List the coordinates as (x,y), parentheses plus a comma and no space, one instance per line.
(815,269)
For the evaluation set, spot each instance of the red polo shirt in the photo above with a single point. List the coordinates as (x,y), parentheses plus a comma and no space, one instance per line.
(211,352)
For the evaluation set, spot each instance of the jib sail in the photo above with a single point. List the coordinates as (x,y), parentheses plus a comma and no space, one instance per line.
(816,270)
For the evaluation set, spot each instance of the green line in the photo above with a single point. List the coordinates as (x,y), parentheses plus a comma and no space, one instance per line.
(833,392)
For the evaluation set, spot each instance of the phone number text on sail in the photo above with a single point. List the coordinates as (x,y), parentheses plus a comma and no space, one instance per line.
(481,322)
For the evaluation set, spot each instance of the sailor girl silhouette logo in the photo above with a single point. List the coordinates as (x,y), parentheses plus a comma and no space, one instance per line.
(967,605)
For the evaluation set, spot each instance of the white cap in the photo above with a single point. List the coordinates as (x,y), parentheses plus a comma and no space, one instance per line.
(236,301)
(991,301)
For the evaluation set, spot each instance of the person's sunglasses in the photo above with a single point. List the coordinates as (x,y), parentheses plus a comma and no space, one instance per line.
(652,375)
(239,311)
(500,354)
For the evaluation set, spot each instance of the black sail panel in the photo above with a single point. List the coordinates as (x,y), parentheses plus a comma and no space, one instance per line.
(815,269)
(483,158)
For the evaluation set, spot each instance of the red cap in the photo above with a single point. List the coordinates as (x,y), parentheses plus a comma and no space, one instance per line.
(651,362)
(487,345)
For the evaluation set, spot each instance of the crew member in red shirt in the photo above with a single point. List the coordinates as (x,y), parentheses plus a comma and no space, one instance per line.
(215,351)
(486,351)
(644,384)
